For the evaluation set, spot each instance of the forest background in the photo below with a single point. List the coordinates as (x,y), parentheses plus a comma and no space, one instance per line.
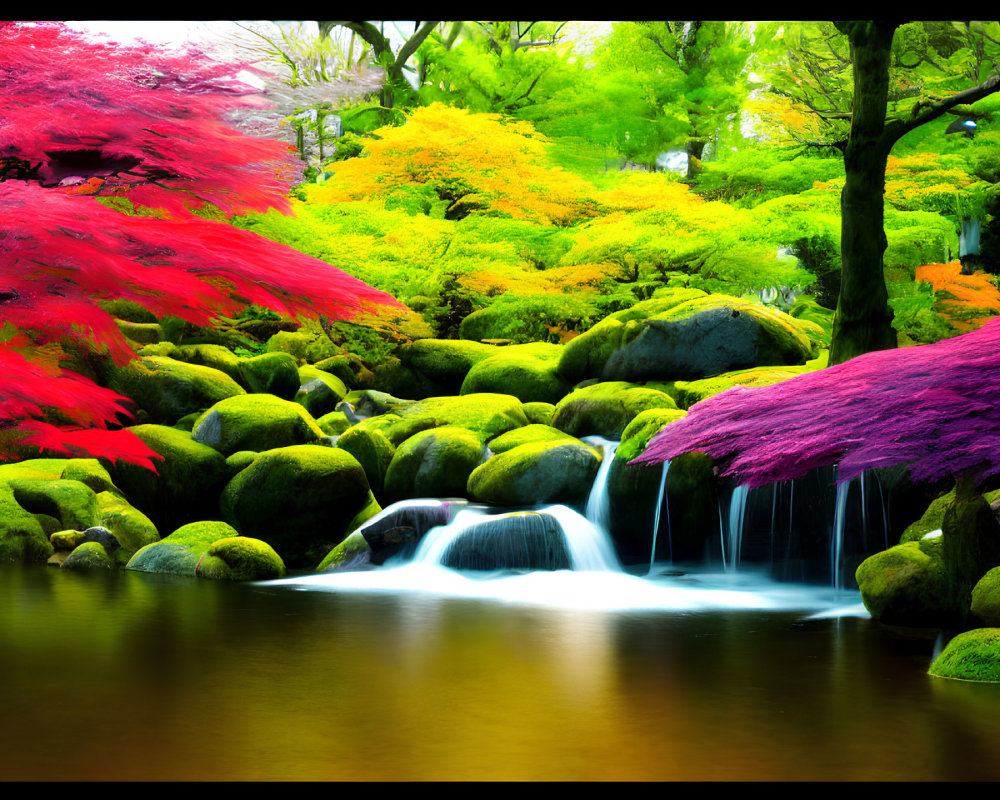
(505,183)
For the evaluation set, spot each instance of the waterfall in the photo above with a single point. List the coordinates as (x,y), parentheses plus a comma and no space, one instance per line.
(737,510)
(660,498)
(598,505)
(837,538)
(551,538)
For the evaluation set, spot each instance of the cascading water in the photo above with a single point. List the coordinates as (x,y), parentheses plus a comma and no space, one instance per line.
(598,505)
(734,542)
(555,537)
(661,501)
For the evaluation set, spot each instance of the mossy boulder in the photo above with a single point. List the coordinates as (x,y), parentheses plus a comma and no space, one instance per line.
(89,472)
(319,392)
(528,371)
(932,519)
(187,481)
(215,356)
(970,656)
(540,413)
(350,369)
(255,422)
(433,463)
(130,527)
(485,414)
(23,536)
(986,599)
(240,558)
(540,472)
(72,503)
(372,449)
(687,393)
(530,434)
(302,500)
(304,345)
(700,336)
(908,585)
(89,556)
(140,332)
(166,389)
(606,408)
(270,373)
(180,552)
(352,554)
(334,423)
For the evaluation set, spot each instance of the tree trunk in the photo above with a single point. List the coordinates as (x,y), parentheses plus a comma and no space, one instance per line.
(864,319)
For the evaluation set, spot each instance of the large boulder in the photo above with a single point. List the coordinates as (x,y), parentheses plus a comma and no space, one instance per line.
(604,409)
(444,363)
(970,656)
(270,373)
(540,472)
(255,422)
(433,463)
(166,389)
(302,500)
(527,371)
(180,552)
(908,585)
(680,336)
(240,558)
(187,481)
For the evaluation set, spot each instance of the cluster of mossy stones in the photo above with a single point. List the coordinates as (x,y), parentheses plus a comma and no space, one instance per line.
(277,461)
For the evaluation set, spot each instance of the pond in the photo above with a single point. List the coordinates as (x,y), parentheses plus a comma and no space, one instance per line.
(554,676)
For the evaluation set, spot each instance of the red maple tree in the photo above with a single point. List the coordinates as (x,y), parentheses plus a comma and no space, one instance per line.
(84,119)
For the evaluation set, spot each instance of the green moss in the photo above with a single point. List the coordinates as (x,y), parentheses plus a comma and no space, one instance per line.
(240,558)
(73,503)
(433,463)
(688,393)
(210,355)
(352,553)
(540,472)
(89,555)
(643,427)
(530,434)
(970,656)
(446,362)
(167,389)
(605,409)
(271,373)
(255,422)
(529,372)
(373,451)
(932,520)
(539,413)
(986,598)
(130,527)
(907,585)
(180,552)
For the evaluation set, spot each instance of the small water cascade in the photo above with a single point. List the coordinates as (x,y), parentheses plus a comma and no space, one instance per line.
(551,538)
(661,502)
(598,505)
(734,540)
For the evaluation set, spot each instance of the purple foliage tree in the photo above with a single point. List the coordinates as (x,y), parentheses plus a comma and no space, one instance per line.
(935,407)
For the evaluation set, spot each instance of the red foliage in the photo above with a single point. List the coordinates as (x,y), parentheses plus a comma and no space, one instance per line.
(83,118)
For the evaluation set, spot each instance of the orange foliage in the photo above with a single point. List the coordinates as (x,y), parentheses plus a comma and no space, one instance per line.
(971,292)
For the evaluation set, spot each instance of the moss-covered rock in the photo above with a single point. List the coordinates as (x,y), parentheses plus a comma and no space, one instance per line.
(687,393)
(523,540)
(372,449)
(302,500)
(22,535)
(319,392)
(970,542)
(255,422)
(433,463)
(970,656)
(605,409)
(89,472)
(130,527)
(89,555)
(352,554)
(334,423)
(986,599)
(240,558)
(907,585)
(932,519)
(350,369)
(72,503)
(180,552)
(187,481)
(528,435)
(210,355)
(540,413)
(686,337)
(304,345)
(166,389)
(271,373)
(140,332)
(541,472)
(528,371)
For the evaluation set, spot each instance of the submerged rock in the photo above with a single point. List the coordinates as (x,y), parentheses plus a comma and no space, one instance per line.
(524,540)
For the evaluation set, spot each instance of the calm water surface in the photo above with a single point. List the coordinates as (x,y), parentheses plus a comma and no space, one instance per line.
(141,677)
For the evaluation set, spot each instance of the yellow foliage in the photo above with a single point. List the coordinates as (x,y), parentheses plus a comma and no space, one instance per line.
(459,154)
